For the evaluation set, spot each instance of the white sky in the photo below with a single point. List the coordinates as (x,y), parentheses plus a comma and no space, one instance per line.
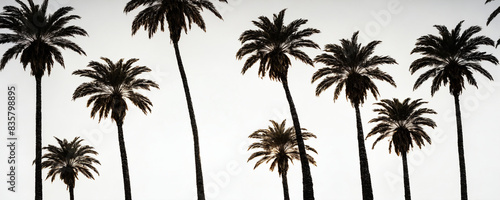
(230,106)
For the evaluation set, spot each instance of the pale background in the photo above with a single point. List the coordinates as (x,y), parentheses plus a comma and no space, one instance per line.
(230,106)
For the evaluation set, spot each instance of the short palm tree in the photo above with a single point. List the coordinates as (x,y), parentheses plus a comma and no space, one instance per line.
(352,66)
(278,145)
(271,44)
(179,15)
(38,37)
(452,58)
(402,123)
(113,83)
(67,160)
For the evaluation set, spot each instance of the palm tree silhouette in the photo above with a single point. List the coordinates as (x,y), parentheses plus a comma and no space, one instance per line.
(402,123)
(453,57)
(353,66)
(278,145)
(175,13)
(67,160)
(112,84)
(38,36)
(271,44)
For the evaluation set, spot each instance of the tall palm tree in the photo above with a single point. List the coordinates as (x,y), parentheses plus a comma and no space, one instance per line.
(492,16)
(271,44)
(278,145)
(452,57)
(353,66)
(38,36)
(112,84)
(402,123)
(67,160)
(179,15)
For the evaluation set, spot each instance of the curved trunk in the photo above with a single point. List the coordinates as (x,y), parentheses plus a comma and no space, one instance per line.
(306,171)
(406,177)
(197,157)
(38,139)
(461,155)
(284,181)
(71,193)
(123,155)
(366,183)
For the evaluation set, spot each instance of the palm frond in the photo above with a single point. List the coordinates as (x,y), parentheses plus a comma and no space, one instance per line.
(179,15)
(277,144)
(111,84)
(352,65)
(272,44)
(401,122)
(452,56)
(68,159)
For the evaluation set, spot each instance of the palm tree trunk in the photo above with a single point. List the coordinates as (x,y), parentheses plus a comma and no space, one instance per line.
(406,177)
(461,155)
(284,180)
(366,183)
(306,171)
(71,193)
(38,139)
(123,155)
(197,157)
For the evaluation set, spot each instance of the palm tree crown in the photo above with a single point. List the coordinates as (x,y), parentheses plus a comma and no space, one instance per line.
(36,35)
(178,14)
(68,159)
(278,145)
(352,66)
(273,42)
(113,83)
(452,57)
(403,123)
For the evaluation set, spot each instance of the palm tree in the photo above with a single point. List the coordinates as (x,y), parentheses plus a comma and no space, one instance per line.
(402,123)
(272,43)
(175,13)
(38,36)
(112,84)
(492,16)
(278,145)
(453,57)
(353,66)
(69,159)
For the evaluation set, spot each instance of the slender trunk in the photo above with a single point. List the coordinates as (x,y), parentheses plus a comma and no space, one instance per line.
(71,193)
(461,155)
(284,180)
(406,177)
(197,157)
(307,182)
(123,155)
(366,182)
(38,139)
